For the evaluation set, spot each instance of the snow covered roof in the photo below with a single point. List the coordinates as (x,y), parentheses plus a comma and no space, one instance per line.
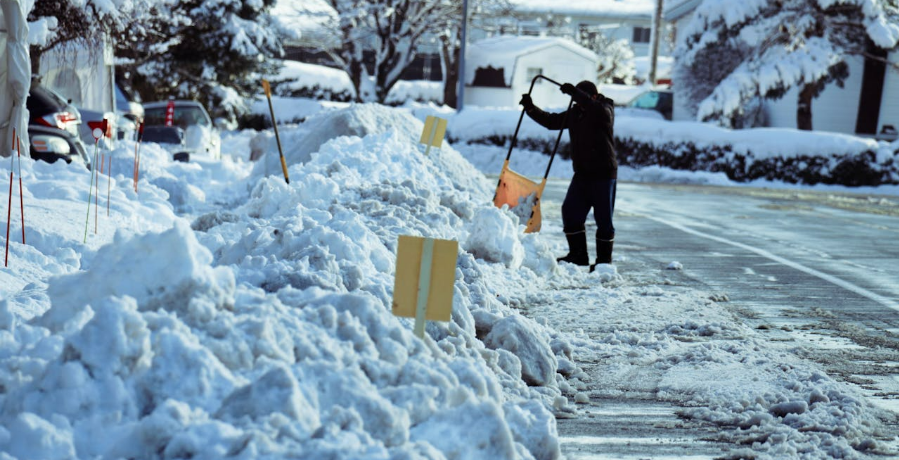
(604,8)
(677,9)
(503,51)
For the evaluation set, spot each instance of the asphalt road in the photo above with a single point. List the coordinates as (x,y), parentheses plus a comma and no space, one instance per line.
(805,268)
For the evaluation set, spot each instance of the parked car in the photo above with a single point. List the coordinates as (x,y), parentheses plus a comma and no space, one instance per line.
(170,138)
(91,119)
(661,101)
(53,144)
(200,135)
(53,127)
(48,108)
(129,113)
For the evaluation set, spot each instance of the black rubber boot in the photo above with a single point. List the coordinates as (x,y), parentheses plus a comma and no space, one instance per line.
(577,249)
(603,253)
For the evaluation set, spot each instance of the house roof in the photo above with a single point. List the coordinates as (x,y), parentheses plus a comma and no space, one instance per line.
(504,50)
(600,8)
(676,9)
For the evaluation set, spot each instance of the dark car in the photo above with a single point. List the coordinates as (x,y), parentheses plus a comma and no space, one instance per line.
(661,101)
(47,108)
(53,127)
(170,138)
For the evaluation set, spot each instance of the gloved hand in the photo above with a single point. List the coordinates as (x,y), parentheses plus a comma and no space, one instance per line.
(526,101)
(567,88)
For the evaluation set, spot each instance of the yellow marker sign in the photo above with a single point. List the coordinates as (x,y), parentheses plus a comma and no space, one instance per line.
(433,132)
(425,274)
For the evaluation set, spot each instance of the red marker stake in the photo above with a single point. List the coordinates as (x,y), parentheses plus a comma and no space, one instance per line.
(108,182)
(90,189)
(8,219)
(9,206)
(140,136)
(96,185)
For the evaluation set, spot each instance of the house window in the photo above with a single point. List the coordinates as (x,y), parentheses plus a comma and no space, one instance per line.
(641,34)
(489,77)
(533,72)
(586,33)
(68,85)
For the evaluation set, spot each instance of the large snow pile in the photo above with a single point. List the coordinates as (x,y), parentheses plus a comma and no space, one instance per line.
(256,322)
(265,330)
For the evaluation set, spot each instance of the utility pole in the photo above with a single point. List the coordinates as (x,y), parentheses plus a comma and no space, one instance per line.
(460,96)
(654,42)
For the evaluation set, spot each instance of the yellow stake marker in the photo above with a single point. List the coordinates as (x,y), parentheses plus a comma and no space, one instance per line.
(268,95)
(433,132)
(425,275)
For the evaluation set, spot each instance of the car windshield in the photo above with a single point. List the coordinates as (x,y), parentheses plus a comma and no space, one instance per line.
(646,101)
(184,116)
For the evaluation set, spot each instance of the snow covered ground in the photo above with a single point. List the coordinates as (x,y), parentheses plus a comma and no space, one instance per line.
(222,312)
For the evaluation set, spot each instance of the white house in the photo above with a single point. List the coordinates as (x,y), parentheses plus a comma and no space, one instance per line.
(616,19)
(500,69)
(868,103)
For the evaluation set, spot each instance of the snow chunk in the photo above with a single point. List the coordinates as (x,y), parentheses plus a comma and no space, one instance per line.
(34,437)
(493,236)
(535,428)
(520,337)
(276,391)
(470,431)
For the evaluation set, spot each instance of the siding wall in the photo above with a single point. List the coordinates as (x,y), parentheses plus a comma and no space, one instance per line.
(835,110)
(889,108)
(558,63)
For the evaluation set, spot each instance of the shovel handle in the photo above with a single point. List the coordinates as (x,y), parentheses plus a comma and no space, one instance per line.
(521,117)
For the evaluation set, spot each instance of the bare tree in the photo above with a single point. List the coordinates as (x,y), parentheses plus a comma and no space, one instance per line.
(386,33)
(482,15)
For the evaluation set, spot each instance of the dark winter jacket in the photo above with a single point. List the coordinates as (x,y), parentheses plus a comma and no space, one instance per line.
(590,126)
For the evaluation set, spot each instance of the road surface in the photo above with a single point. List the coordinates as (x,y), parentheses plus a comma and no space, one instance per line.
(805,268)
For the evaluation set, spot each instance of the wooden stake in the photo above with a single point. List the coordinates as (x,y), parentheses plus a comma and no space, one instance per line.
(271,108)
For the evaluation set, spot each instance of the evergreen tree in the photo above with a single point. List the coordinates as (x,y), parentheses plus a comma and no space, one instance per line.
(762,48)
(212,51)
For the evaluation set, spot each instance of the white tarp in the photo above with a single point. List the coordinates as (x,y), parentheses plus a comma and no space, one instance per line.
(15,75)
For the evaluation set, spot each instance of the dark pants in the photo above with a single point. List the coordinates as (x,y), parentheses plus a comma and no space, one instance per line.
(584,194)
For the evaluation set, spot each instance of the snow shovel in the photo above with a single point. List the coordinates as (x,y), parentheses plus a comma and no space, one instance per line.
(514,189)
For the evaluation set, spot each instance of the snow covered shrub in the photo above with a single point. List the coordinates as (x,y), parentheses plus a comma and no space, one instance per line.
(316,91)
(852,169)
